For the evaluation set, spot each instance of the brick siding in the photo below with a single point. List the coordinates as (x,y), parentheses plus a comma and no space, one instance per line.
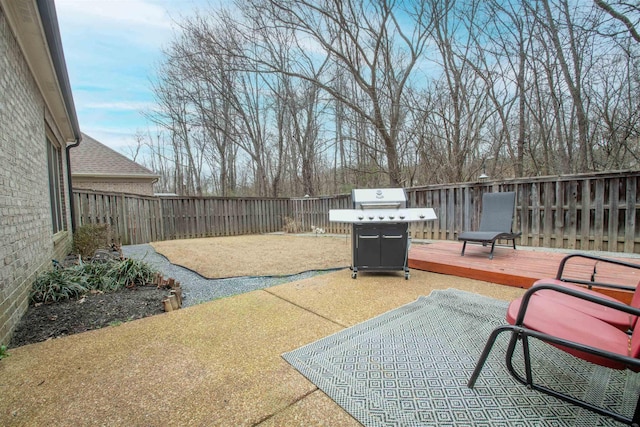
(28,243)
(139,188)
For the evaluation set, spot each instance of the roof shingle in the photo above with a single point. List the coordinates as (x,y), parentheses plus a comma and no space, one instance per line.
(94,158)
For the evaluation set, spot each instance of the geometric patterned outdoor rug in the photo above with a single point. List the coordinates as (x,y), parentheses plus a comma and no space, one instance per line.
(410,367)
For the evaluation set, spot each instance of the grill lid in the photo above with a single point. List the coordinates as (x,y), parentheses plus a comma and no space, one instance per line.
(387,205)
(382,198)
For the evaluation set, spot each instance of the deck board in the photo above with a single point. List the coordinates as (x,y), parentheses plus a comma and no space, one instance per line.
(519,268)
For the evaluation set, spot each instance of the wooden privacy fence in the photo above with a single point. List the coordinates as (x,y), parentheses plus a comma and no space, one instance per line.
(583,212)
(140,219)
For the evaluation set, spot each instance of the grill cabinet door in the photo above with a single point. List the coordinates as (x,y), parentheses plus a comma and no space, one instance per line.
(368,247)
(380,246)
(393,245)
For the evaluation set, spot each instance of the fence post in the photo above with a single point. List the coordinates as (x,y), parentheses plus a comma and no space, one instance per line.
(125,221)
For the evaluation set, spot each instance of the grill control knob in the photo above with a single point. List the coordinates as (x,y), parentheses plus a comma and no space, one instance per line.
(371,217)
(421,216)
(381,217)
(391,217)
(360,217)
(401,216)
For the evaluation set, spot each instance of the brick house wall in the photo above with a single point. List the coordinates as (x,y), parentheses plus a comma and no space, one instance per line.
(142,188)
(26,227)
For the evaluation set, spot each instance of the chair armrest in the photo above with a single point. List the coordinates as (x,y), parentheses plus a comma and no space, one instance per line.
(575,293)
(593,282)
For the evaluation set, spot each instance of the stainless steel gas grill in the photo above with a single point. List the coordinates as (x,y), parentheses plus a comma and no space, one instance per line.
(380,236)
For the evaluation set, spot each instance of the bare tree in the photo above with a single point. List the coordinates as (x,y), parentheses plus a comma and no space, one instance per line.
(139,138)
(616,114)
(212,79)
(570,57)
(302,97)
(623,12)
(173,115)
(460,98)
(363,39)
(156,158)
(502,43)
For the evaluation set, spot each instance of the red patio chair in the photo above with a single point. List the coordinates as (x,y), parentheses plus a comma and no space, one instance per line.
(572,331)
(619,319)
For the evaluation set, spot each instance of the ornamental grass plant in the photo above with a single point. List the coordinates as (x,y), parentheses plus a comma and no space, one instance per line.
(64,283)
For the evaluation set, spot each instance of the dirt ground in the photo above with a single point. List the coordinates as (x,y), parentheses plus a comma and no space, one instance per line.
(93,311)
(259,255)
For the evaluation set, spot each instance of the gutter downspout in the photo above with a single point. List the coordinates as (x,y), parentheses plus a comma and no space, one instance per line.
(72,209)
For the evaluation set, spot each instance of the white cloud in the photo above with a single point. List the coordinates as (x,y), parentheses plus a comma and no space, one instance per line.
(114,13)
(121,105)
(139,22)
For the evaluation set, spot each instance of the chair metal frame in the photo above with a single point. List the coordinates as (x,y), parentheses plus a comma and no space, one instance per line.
(520,332)
(593,282)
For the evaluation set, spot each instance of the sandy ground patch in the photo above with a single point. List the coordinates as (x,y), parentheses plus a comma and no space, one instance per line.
(258,255)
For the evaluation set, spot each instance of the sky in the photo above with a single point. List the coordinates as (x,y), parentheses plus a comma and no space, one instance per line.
(112,49)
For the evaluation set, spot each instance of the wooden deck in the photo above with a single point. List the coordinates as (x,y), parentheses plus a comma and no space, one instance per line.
(520,268)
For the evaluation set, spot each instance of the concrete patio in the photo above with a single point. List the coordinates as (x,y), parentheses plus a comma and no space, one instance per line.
(217,363)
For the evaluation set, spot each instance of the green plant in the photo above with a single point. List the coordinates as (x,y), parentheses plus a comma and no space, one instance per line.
(113,275)
(89,237)
(72,282)
(3,352)
(133,272)
(100,276)
(58,284)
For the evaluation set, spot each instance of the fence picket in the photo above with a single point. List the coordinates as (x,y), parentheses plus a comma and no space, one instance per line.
(594,211)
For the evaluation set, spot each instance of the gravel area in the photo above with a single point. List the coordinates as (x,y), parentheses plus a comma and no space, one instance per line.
(197,289)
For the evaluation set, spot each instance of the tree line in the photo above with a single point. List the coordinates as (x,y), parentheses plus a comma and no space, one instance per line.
(295,97)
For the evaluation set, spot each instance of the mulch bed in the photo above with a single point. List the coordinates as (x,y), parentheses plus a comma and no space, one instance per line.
(93,311)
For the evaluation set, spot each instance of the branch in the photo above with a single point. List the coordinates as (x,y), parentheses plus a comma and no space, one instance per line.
(620,17)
